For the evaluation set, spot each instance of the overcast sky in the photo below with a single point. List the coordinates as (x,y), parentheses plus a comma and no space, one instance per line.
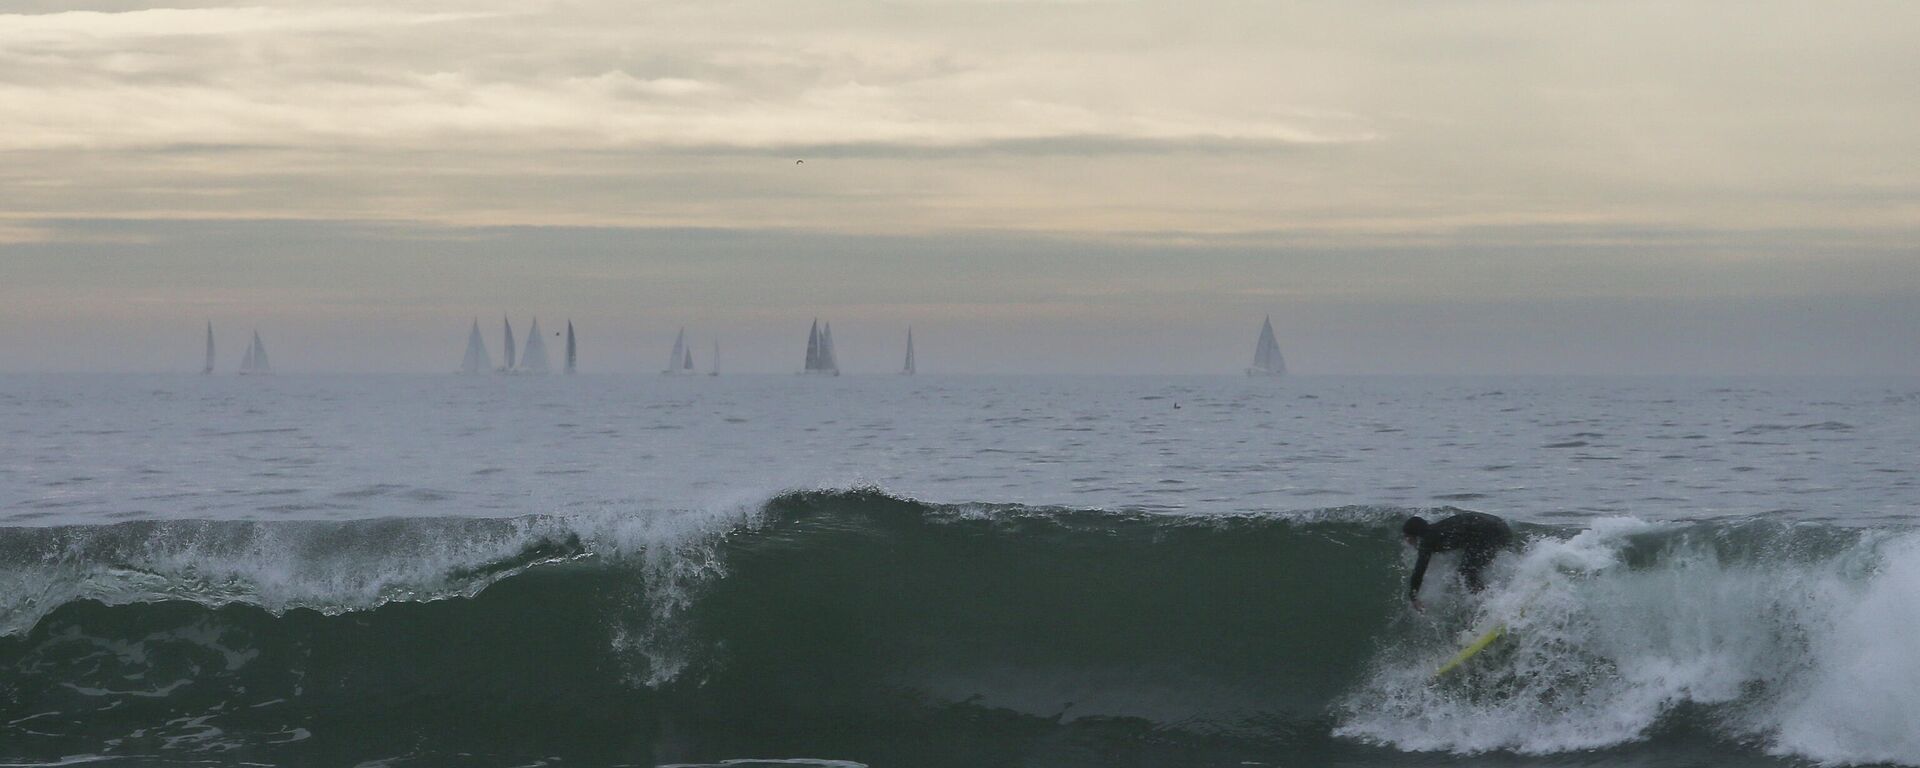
(1448,186)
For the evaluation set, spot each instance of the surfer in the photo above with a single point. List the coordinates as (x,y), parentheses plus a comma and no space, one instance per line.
(1478,536)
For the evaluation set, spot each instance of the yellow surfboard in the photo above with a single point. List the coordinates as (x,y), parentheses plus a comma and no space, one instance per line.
(1499,630)
(1478,645)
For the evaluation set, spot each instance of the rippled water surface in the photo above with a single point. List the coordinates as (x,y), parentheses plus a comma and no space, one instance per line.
(967,572)
(108,448)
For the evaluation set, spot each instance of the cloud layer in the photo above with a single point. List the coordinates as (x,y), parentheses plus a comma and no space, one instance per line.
(1358,117)
(1098,163)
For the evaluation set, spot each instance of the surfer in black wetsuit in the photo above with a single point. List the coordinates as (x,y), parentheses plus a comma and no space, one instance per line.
(1478,536)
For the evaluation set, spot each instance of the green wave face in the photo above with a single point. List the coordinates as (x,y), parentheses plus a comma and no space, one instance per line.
(859,627)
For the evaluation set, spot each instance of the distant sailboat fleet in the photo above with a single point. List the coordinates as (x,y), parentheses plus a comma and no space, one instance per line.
(680,360)
(821,359)
(530,360)
(252,363)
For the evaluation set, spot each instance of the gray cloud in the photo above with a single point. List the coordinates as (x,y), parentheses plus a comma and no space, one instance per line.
(1147,168)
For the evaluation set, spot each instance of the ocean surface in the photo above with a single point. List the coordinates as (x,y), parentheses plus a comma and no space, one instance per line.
(952,571)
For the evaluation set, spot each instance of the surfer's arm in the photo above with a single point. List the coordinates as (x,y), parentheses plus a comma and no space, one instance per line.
(1419,573)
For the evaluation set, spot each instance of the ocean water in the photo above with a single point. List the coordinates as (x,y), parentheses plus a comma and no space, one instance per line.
(952,571)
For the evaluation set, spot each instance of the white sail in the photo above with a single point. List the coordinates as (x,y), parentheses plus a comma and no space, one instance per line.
(477,360)
(260,363)
(820,358)
(509,325)
(909,368)
(208,368)
(813,347)
(255,361)
(1266,353)
(573,356)
(686,359)
(828,363)
(534,359)
(678,358)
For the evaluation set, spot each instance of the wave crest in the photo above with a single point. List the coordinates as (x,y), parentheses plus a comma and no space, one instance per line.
(897,624)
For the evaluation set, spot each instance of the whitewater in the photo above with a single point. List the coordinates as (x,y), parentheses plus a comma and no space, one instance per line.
(952,571)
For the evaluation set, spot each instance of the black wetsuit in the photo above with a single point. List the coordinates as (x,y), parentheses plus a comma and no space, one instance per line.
(1478,535)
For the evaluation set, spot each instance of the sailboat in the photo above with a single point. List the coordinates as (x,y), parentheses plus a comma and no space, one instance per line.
(509,324)
(680,363)
(476,361)
(909,369)
(573,355)
(1266,354)
(208,368)
(254,363)
(820,359)
(713,367)
(534,359)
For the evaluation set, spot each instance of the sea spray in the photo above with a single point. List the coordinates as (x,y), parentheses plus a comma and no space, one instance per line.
(678,556)
(1615,628)
(1858,700)
(334,567)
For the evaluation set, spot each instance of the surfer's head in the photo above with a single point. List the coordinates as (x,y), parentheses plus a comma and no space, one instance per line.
(1414,528)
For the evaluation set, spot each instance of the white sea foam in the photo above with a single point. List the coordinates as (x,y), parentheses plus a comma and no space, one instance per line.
(346,566)
(1809,652)
(1860,702)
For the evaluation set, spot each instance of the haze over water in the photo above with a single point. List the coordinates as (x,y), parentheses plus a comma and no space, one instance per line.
(1638,276)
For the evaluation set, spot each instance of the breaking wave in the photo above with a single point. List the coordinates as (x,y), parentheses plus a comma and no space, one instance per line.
(859,627)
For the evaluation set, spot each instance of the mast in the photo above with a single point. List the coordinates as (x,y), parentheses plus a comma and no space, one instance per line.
(572,351)
(509,324)
(909,369)
(208,368)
